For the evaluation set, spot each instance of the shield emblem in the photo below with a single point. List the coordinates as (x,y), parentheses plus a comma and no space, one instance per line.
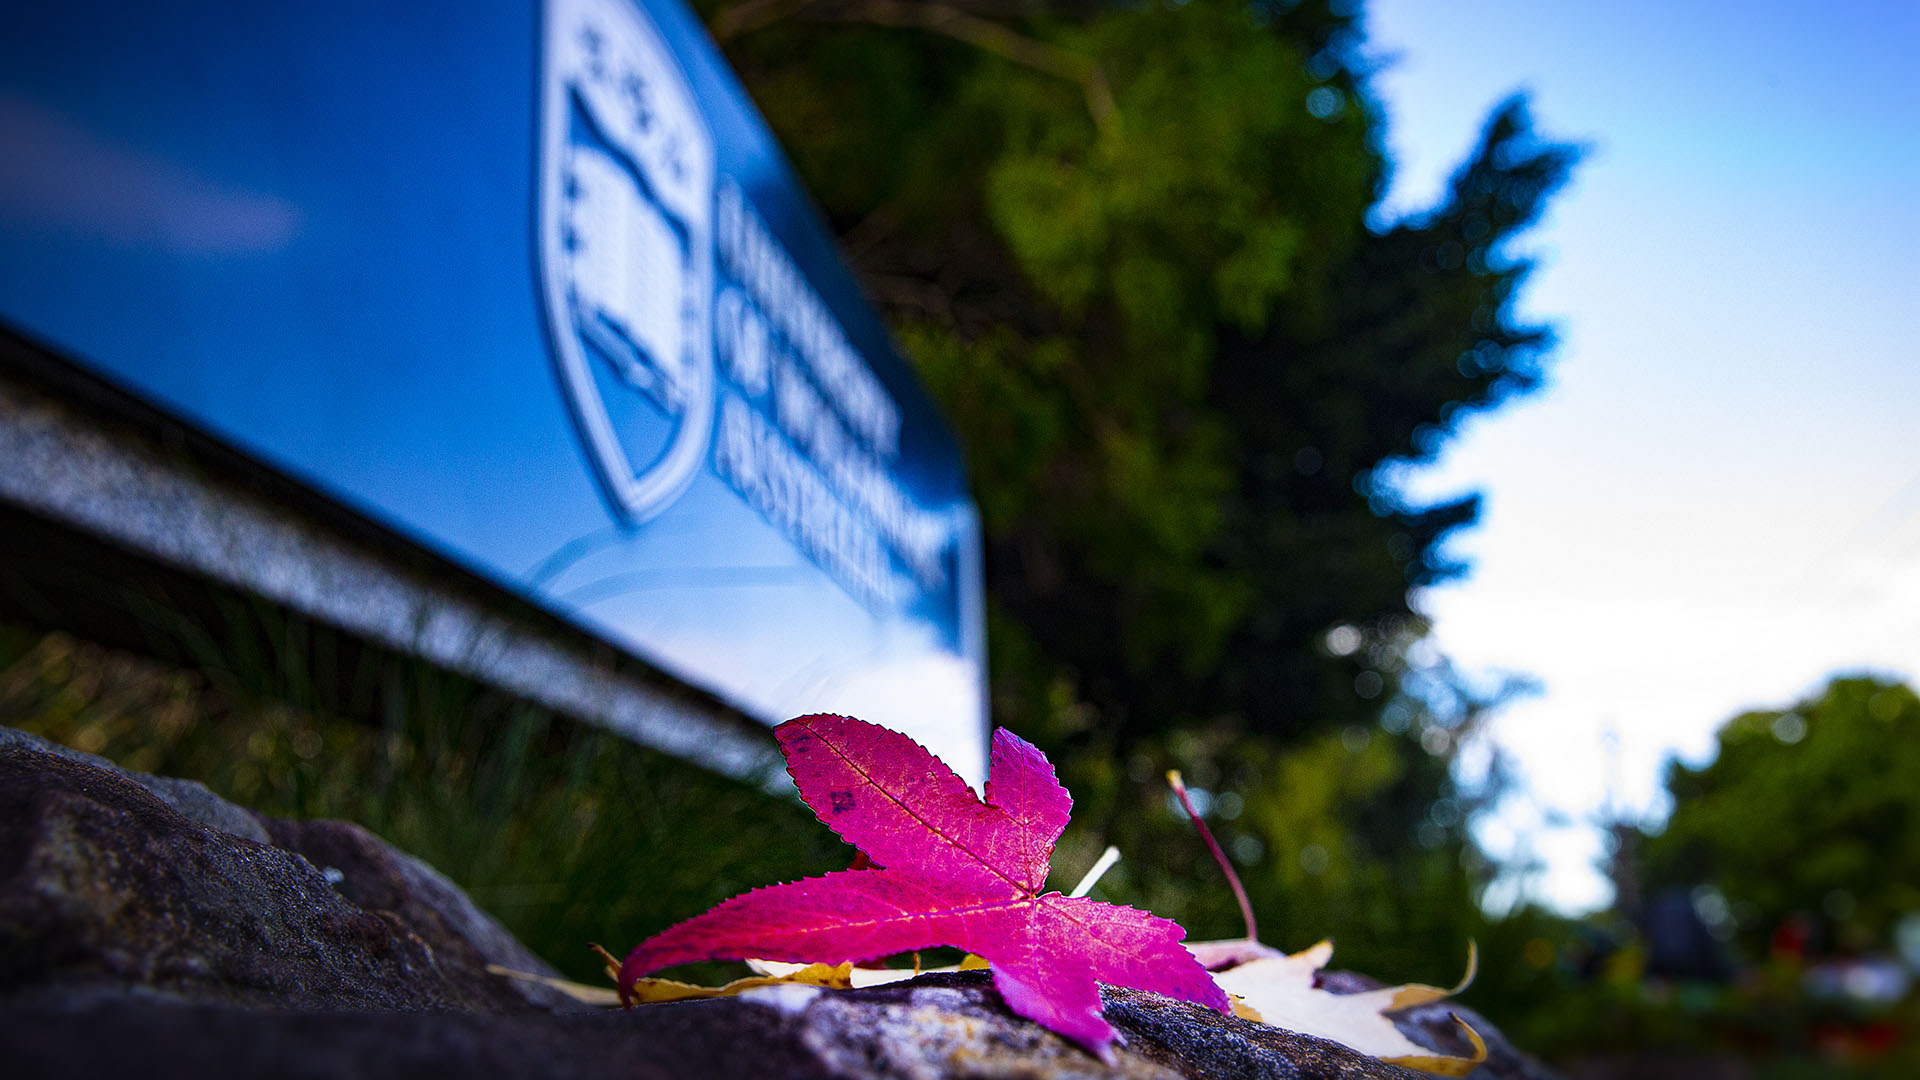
(626,249)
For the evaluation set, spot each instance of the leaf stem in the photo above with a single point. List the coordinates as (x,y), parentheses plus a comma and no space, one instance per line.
(1100,866)
(1239,892)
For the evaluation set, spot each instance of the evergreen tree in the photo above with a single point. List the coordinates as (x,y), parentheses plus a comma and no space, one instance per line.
(1127,245)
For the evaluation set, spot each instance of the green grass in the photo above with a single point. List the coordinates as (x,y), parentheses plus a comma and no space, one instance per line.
(568,834)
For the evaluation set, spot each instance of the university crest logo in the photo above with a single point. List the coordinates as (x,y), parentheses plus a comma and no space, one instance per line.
(626,249)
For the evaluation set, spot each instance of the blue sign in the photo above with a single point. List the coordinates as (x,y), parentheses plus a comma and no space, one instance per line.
(532,286)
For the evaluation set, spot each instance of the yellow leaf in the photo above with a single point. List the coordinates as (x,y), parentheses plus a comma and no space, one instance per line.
(1406,997)
(859,978)
(1442,1065)
(655,991)
(832,977)
(591,995)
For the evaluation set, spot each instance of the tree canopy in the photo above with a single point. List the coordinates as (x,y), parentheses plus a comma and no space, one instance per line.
(1810,810)
(1133,250)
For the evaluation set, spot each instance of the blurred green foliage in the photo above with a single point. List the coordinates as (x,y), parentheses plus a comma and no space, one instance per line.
(1137,253)
(1134,250)
(1810,812)
(1805,819)
(1763,1028)
(1176,352)
(568,834)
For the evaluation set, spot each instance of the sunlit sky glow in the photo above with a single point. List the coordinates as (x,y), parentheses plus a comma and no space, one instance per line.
(1715,503)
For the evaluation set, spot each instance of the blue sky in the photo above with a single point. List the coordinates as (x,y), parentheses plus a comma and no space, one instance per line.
(1715,503)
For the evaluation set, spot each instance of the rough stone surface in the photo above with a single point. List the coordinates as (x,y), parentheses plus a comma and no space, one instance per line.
(103,881)
(158,931)
(191,798)
(375,877)
(939,1027)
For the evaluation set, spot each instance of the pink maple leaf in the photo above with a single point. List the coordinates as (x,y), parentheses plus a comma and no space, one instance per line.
(954,871)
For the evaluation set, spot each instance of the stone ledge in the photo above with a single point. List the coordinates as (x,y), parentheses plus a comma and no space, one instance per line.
(149,928)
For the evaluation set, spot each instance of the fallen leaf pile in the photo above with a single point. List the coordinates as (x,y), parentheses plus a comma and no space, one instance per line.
(940,866)
(949,869)
(1281,990)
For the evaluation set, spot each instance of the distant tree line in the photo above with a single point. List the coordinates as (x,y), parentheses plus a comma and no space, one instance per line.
(1806,823)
